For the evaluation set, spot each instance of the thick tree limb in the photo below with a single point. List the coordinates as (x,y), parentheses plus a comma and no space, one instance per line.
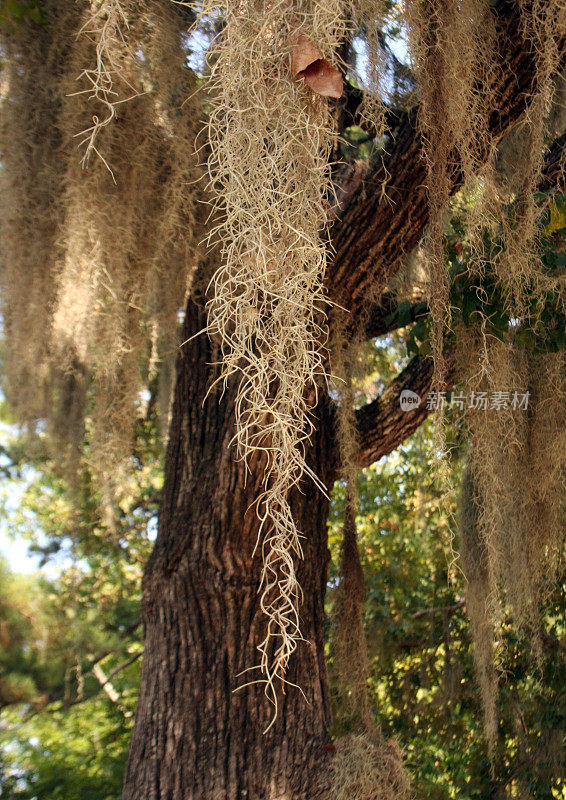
(384,317)
(383,425)
(105,683)
(386,215)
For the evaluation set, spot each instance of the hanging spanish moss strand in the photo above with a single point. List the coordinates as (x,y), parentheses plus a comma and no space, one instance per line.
(521,520)
(519,269)
(349,647)
(129,232)
(365,765)
(452,52)
(106,172)
(348,642)
(475,566)
(505,202)
(369,15)
(107,80)
(33,65)
(511,522)
(178,213)
(271,136)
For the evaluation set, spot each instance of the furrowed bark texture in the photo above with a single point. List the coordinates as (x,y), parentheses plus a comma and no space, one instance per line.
(194,737)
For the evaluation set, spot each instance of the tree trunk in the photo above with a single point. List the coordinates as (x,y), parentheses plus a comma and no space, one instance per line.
(195,737)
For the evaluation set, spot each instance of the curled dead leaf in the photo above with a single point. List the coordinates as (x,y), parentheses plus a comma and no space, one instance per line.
(308,65)
(323,78)
(302,54)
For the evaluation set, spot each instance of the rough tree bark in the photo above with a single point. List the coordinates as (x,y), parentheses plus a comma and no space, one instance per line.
(195,738)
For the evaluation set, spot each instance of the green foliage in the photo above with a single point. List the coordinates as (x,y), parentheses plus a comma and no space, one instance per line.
(478,294)
(422,685)
(355,143)
(61,637)
(60,735)
(77,753)
(29,659)
(14,12)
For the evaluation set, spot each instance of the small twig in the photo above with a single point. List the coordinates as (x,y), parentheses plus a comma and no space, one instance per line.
(119,668)
(439,610)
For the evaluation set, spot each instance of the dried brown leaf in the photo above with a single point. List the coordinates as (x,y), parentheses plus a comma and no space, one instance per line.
(320,75)
(323,78)
(303,54)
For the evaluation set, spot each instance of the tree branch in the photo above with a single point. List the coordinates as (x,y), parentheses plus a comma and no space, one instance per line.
(123,634)
(389,315)
(424,612)
(386,215)
(383,425)
(105,683)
